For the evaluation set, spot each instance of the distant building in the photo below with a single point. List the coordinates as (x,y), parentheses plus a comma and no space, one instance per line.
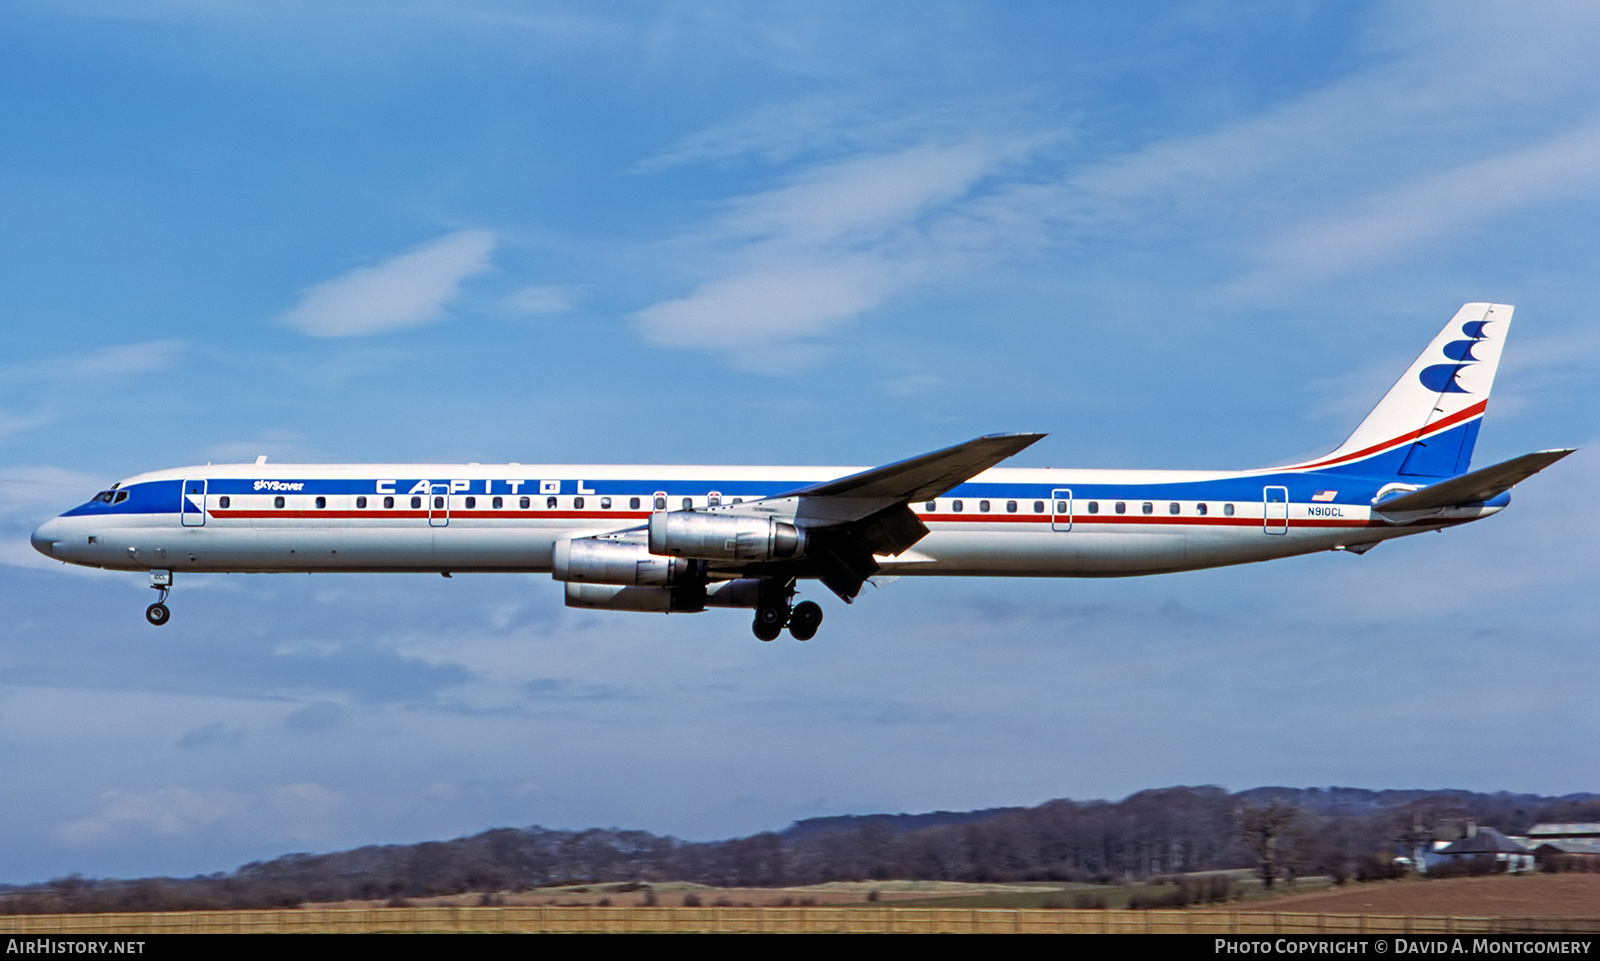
(1570,840)
(1482,842)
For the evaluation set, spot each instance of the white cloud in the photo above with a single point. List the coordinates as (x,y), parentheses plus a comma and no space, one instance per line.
(834,242)
(169,811)
(113,361)
(410,290)
(1456,201)
(303,811)
(31,495)
(539,300)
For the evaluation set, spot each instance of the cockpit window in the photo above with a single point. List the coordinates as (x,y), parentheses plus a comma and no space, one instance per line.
(104,496)
(121,496)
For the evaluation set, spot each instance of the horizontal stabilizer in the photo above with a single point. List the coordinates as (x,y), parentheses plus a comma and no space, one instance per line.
(927,476)
(1478,486)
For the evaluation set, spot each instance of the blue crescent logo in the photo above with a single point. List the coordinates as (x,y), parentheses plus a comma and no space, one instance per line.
(1441,378)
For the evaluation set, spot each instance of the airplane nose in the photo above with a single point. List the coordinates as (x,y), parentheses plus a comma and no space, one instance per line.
(44,539)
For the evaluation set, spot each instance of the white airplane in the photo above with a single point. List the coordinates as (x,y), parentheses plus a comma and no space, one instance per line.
(680,539)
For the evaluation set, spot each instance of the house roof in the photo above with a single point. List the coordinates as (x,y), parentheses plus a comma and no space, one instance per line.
(1564,831)
(1486,841)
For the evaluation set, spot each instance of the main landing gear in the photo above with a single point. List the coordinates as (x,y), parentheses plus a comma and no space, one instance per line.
(158,614)
(773,614)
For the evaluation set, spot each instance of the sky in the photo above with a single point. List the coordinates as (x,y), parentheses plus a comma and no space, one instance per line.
(1171,235)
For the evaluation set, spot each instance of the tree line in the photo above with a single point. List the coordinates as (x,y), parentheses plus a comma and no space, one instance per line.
(1282,833)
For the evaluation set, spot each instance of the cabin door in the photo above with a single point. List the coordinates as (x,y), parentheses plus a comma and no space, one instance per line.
(1061,510)
(439,505)
(192,503)
(1275,510)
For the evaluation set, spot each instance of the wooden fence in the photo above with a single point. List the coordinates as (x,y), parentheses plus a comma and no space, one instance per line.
(552,919)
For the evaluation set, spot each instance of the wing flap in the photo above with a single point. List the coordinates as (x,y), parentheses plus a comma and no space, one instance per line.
(1474,487)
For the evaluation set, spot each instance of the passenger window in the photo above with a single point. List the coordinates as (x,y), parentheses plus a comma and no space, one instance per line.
(1011,507)
(983,506)
(277,501)
(605,503)
(388,503)
(550,503)
(738,500)
(633,503)
(1061,507)
(471,503)
(1172,508)
(577,503)
(322,502)
(956,506)
(1200,509)
(1148,507)
(1038,507)
(931,506)
(438,503)
(224,501)
(1094,507)
(661,502)
(1122,507)
(524,503)
(1227,510)
(416,502)
(688,503)
(497,503)
(713,499)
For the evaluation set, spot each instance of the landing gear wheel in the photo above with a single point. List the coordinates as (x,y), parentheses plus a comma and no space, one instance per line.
(157,614)
(805,620)
(769,622)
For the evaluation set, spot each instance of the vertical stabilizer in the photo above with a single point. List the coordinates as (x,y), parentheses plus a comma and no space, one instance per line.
(1427,424)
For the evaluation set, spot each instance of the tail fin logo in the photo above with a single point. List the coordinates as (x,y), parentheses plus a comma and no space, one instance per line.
(1441,378)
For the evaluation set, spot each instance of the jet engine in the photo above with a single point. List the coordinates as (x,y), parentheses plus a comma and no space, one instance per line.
(621,562)
(744,592)
(724,537)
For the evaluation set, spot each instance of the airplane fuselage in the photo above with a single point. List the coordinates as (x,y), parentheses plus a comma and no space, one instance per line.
(508,518)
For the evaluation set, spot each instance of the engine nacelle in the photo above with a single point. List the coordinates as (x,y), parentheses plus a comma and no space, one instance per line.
(744,592)
(615,597)
(724,537)
(621,562)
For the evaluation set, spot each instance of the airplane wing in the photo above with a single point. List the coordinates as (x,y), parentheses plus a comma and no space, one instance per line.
(1474,487)
(925,477)
(851,518)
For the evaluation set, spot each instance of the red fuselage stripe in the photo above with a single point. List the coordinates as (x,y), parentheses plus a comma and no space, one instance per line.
(1454,419)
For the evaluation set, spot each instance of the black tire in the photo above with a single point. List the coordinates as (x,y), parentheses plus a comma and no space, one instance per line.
(157,614)
(805,620)
(765,631)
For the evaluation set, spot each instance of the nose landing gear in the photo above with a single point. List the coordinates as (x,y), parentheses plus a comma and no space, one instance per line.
(158,614)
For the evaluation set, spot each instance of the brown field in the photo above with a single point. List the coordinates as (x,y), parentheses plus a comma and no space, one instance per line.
(671,895)
(1504,896)
(1526,896)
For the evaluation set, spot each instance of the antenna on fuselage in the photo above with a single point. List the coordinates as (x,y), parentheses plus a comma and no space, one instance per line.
(261,459)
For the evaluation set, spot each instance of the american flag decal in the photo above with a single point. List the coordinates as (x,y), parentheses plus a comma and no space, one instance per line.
(1324,495)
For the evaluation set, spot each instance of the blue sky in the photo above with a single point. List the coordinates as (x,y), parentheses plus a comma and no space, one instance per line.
(1202,235)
